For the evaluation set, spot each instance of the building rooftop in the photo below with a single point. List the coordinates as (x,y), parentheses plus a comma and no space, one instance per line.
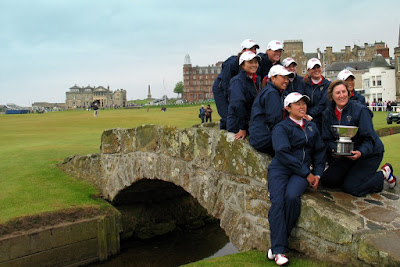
(338,66)
(380,62)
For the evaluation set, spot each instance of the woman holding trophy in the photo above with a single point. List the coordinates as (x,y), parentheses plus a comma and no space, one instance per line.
(353,169)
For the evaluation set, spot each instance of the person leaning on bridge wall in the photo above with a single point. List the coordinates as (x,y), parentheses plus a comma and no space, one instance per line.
(268,109)
(243,88)
(348,77)
(298,145)
(271,57)
(356,174)
(220,88)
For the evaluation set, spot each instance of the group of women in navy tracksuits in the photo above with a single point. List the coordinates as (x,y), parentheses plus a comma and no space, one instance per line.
(290,119)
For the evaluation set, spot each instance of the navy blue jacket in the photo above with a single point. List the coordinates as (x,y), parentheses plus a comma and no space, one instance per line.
(354,113)
(242,92)
(318,94)
(267,111)
(296,86)
(265,65)
(296,149)
(358,97)
(230,68)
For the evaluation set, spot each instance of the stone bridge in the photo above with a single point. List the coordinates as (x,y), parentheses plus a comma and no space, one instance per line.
(229,179)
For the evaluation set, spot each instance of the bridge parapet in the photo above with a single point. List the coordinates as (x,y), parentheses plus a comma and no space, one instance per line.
(229,179)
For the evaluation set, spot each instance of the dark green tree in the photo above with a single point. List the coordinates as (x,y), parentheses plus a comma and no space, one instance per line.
(179,88)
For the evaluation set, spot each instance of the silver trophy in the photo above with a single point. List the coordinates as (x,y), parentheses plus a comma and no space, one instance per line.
(343,135)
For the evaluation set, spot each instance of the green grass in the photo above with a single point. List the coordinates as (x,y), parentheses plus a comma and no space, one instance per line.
(255,259)
(31,145)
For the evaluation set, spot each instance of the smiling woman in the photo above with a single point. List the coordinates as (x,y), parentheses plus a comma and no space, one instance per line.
(242,91)
(268,109)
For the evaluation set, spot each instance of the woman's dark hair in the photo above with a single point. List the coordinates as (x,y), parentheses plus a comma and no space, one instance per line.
(333,85)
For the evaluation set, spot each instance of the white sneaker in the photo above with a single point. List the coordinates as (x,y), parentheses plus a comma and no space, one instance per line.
(281,259)
(387,170)
(270,255)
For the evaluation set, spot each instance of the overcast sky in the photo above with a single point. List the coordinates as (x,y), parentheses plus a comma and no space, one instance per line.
(48,46)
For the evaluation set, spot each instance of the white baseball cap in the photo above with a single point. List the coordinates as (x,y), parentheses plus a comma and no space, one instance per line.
(312,62)
(287,61)
(344,74)
(248,43)
(246,56)
(279,70)
(294,97)
(274,45)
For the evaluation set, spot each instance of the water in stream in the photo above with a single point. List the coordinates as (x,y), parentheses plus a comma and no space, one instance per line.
(173,249)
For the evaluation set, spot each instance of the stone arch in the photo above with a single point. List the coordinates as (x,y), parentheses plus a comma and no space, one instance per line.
(232,189)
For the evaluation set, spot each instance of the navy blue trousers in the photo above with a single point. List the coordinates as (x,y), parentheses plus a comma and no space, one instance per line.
(356,177)
(285,190)
(222,103)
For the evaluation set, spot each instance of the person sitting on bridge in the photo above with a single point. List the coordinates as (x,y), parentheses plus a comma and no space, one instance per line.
(243,88)
(298,146)
(268,109)
(220,88)
(356,173)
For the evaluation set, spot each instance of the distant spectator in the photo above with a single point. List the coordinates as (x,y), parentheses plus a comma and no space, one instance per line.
(96,110)
(202,113)
(389,106)
(208,113)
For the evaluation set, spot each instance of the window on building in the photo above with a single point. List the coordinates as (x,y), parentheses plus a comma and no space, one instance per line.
(366,83)
(200,77)
(379,80)
(201,96)
(373,79)
(194,77)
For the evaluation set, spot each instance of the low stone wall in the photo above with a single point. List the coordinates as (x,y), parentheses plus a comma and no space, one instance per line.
(72,243)
(229,179)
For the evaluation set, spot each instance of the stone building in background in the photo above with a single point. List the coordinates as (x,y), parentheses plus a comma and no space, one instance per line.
(366,53)
(83,97)
(198,80)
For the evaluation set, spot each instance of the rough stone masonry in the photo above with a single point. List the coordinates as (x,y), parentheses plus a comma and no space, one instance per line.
(229,179)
